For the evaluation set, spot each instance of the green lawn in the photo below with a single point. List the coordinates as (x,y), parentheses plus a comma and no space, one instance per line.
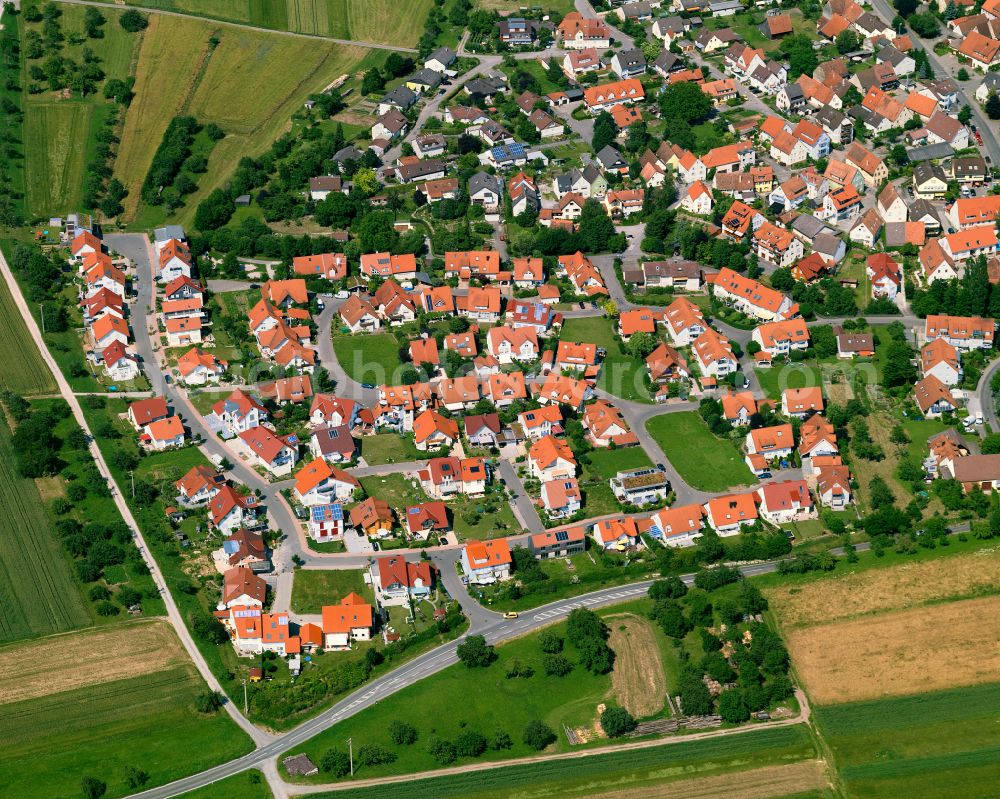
(370,359)
(773,381)
(621,374)
(148,722)
(314,588)
(493,518)
(485,700)
(395,489)
(204,400)
(247,785)
(608,462)
(920,746)
(704,461)
(389,448)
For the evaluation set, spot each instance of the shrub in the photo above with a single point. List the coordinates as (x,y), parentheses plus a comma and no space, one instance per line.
(537,734)
(442,751)
(208,701)
(402,733)
(550,643)
(335,762)
(617,721)
(557,665)
(375,755)
(474,652)
(470,743)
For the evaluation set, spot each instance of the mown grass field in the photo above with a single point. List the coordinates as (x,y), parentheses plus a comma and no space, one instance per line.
(638,770)
(179,72)
(313,588)
(148,722)
(718,464)
(608,462)
(377,21)
(37,590)
(369,359)
(929,746)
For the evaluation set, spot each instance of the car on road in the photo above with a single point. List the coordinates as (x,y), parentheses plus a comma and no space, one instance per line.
(367,385)
(374,546)
(168,379)
(510,614)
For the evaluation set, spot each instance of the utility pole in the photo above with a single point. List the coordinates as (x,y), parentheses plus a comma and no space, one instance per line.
(246,710)
(131,475)
(350,750)
(41,310)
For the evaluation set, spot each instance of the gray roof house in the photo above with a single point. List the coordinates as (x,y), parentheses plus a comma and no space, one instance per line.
(611,160)
(400,97)
(485,189)
(440,59)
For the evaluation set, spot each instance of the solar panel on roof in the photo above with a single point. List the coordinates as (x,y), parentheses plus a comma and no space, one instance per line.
(562,535)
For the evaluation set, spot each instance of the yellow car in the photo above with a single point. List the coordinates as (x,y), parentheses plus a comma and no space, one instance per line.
(510,614)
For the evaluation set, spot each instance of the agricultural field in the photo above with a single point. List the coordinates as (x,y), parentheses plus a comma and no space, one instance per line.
(767,757)
(719,465)
(899,653)
(180,72)
(37,590)
(920,746)
(903,629)
(23,371)
(904,585)
(369,359)
(67,126)
(67,734)
(373,21)
(313,588)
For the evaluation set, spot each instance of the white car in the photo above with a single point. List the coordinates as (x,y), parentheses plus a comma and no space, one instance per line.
(342,295)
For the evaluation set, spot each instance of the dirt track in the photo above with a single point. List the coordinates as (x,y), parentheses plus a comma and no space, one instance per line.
(638,682)
(75,660)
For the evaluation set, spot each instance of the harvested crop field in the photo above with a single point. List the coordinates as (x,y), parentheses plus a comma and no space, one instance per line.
(761,783)
(67,662)
(638,681)
(899,653)
(877,590)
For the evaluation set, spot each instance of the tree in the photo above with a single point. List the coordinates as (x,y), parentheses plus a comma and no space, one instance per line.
(991,444)
(605,131)
(93,788)
(992,106)
(373,82)
(641,344)
(695,698)
(336,762)
(550,642)
(924,25)
(537,734)
(556,665)
(470,743)
(442,751)
(93,19)
(668,588)
(474,652)
(685,102)
(366,181)
(732,706)
(375,755)
(135,777)
(847,41)
(802,58)
(214,211)
(208,701)
(133,21)
(402,733)
(501,740)
(617,721)
(962,75)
